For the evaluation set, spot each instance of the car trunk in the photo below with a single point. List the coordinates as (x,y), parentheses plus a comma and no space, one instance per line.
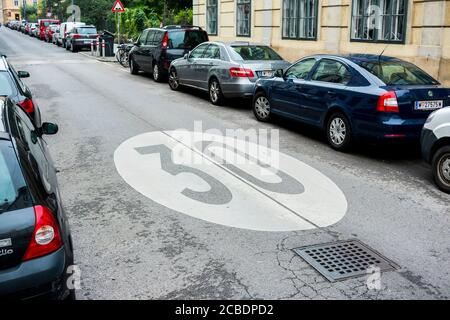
(419,101)
(261,68)
(16,229)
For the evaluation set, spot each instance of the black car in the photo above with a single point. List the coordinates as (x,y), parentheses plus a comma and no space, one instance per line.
(80,37)
(155,49)
(35,241)
(12,86)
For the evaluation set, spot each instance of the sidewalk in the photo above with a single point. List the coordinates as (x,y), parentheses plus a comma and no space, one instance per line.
(103,59)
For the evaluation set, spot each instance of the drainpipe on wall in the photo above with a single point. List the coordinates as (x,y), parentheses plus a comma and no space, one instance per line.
(267,22)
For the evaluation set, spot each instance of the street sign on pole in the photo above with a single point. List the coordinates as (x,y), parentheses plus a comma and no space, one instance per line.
(118,7)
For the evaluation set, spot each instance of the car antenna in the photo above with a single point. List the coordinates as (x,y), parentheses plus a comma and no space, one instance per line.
(379,57)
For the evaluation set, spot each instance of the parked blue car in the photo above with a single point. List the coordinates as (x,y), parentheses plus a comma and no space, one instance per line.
(355,97)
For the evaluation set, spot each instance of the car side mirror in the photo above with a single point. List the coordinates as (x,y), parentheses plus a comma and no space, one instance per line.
(23,74)
(49,128)
(279,73)
(137,44)
(186,56)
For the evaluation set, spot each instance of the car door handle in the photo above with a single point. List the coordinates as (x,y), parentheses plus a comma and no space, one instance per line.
(331,92)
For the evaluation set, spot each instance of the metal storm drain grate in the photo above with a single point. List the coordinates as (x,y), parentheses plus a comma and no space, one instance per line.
(344,259)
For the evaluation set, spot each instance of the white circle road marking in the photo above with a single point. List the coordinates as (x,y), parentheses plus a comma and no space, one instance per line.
(241,196)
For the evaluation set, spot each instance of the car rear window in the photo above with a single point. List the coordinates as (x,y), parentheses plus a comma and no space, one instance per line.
(398,72)
(48,23)
(87,30)
(6,87)
(248,53)
(14,192)
(187,39)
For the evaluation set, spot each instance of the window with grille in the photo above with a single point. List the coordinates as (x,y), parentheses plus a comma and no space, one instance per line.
(211,17)
(379,20)
(243,18)
(300,19)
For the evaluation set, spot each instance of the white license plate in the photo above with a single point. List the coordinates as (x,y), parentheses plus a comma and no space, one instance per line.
(267,73)
(88,41)
(428,105)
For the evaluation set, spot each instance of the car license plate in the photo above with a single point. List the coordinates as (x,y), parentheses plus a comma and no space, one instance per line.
(87,41)
(428,105)
(267,73)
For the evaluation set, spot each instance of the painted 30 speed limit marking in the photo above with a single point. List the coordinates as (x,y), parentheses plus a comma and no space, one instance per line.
(239,192)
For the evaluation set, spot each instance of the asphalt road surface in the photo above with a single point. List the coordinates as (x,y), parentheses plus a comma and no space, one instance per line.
(147,228)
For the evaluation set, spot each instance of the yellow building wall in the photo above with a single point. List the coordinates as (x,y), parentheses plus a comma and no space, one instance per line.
(427,42)
(10,9)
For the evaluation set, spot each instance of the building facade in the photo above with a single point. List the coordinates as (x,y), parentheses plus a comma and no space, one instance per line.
(12,9)
(414,30)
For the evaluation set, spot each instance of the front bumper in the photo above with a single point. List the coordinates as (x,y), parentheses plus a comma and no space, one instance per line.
(41,277)
(427,141)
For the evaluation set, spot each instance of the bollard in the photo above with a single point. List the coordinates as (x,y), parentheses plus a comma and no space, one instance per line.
(92,47)
(103,48)
(97,47)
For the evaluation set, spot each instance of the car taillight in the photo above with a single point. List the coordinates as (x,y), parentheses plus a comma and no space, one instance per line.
(388,102)
(241,72)
(27,105)
(46,237)
(165,42)
(76,36)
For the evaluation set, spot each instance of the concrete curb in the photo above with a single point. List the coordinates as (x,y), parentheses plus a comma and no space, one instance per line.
(102,59)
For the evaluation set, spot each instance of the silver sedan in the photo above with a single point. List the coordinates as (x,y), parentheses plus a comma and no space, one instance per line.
(225,70)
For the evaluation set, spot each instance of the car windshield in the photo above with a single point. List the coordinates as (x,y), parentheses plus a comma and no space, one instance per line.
(87,31)
(398,72)
(186,39)
(6,88)
(249,53)
(14,193)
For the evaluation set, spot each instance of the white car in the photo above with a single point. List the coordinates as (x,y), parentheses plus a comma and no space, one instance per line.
(435,141)
(64,28)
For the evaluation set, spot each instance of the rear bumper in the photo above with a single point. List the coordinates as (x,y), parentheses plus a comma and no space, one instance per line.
(390,128)
(238,88)
(83,43)
(38,278)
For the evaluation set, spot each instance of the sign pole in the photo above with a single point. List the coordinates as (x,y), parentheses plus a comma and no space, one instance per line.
(118,28)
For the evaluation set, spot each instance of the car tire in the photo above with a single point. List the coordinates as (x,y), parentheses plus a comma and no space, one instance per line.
(174,81)
(134,69)
(73,48)
(339,133)
(66,46)
(261,107)
(215,92)
(441,168)
(157,72)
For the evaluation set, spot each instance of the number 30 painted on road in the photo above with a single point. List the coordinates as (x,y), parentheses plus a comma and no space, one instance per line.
(241,194)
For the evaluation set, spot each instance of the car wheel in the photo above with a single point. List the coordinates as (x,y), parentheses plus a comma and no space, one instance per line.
(66,46)
(174,82)
(339,133)
(261,107)
(215,92)
(73,48)
(156,73)
(134,69)
(441,168)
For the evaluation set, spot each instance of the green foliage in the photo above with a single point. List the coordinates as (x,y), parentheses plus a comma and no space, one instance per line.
(139,14)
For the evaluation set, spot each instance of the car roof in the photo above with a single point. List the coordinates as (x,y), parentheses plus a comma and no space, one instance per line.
(244,43)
